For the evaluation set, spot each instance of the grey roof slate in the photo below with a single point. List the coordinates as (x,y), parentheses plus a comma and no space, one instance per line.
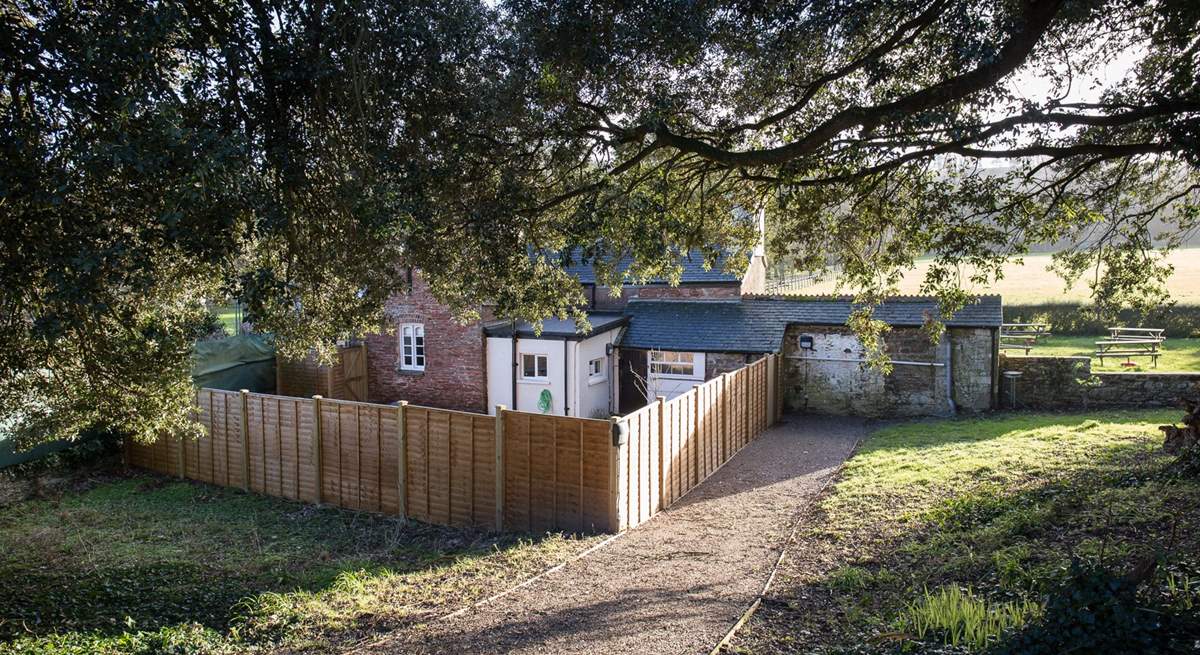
(756,324)
(692,263)
(557,328)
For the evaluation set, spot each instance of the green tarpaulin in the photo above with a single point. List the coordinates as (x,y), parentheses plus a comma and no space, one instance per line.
(243,362)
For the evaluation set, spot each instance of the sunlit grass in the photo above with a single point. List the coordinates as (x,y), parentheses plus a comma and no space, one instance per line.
(1177,354)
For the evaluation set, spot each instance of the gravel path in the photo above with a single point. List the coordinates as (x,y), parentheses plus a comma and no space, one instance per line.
(675,584)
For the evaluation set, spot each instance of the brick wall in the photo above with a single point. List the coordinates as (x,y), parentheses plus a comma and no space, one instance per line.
(455,375)
(604,299)
(1066,383)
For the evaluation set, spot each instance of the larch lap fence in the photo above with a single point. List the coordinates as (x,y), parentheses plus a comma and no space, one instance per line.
(556,473)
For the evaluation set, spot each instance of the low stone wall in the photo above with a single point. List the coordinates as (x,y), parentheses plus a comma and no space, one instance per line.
(1058,383)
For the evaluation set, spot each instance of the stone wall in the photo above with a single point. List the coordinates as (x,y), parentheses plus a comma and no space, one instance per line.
(455,375)
(716,364)
(1065,383)
(972,361)
(832,379)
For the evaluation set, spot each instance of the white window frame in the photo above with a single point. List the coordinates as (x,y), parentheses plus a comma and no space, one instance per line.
(410,349)
(535,379)
(671,358)
(599,375)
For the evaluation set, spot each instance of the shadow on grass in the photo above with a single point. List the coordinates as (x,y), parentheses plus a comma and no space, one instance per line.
(144,553)
(850,587)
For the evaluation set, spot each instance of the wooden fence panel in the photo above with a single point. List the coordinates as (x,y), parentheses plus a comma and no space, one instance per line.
(416,420)
(558,471)
(517,487)
(695,434)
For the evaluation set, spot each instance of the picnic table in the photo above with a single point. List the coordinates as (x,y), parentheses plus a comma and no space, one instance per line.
(1022,336)
(1124,333)
(1131,342)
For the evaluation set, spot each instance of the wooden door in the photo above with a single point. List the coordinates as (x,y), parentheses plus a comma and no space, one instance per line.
(354,372)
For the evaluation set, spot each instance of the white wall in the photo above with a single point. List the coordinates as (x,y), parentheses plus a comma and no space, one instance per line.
(593,400)
(586,400)
(499,373)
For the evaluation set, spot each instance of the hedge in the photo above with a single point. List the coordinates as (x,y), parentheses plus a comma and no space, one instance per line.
(1075,319)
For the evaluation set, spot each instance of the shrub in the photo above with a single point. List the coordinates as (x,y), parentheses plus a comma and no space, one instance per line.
(1094,611)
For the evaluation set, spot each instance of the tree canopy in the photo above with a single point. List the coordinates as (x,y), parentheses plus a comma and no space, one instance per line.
(304,156)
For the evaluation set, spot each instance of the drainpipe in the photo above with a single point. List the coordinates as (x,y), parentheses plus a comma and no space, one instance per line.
(950,372)
(514,366)
(566,381)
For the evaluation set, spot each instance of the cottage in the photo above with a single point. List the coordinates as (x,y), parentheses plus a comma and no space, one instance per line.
(656,339)
(434,360)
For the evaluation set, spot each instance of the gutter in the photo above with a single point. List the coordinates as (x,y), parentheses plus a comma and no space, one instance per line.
(514,367)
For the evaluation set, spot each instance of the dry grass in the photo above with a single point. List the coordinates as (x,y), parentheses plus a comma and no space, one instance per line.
(1029,282)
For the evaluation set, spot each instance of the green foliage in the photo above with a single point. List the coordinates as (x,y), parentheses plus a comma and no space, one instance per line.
(960,618)
(304,157)
(1093,610)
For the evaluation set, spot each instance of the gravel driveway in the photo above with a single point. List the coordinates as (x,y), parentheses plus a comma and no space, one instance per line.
(675,584)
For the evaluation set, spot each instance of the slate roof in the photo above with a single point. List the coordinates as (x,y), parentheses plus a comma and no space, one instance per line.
(692,263)
(755,324)
(557,328)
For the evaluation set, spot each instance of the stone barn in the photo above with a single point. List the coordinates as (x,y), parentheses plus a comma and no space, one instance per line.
(671,345)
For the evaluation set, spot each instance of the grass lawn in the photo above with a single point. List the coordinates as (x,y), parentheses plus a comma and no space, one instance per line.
(984,513)
(1030,283)
(144,564)
(1177,354)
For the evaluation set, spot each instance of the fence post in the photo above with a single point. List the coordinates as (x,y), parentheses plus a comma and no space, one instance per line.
(615,474)
(771,400)
(245,394)
(402,461)
(727,437)
(500,472)
(661,401)
(181,457)
(319,474)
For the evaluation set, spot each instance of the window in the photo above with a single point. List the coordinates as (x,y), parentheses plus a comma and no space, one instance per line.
(670,364)
(412,347)
(597,371)
(535,368)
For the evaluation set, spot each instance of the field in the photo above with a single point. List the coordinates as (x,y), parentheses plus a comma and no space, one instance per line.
(1030,283)
(1017,533)
(1177,354)
(146,564)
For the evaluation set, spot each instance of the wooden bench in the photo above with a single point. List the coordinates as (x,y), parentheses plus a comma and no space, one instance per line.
(1022,336)
(1126,333)
(1129,348)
